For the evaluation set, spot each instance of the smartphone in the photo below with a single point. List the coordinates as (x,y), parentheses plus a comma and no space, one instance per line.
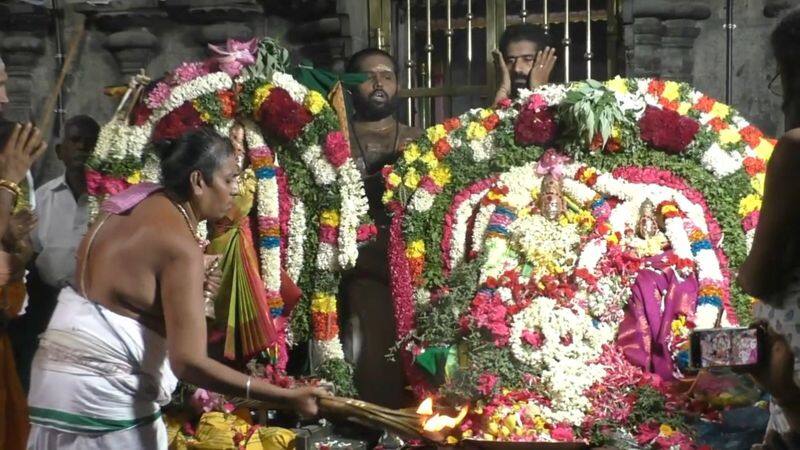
(727,347)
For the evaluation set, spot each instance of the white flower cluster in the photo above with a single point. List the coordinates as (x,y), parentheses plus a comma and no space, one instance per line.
(461,225)
(546,244)
(568,342)
(297,236)
(191,90)
(721,162)
(118,140)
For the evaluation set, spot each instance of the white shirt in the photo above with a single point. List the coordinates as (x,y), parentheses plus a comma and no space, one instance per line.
(61,226)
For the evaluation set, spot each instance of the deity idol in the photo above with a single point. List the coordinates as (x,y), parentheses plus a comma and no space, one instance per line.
(551,198)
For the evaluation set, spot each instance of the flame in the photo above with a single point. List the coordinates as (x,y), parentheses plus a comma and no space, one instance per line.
(439,422)
(426,407)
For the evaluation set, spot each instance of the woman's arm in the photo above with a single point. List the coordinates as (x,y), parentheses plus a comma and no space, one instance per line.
(181,283)
(766,265)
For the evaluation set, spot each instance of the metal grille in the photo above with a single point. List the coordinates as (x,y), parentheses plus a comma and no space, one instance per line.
(445,46)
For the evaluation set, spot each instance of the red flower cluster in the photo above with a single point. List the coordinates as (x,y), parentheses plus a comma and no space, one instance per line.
(667,130)
(281,116)
(705,104)
(751,135)
(227,102)
(491,122)
(140,114)
(717,124)
(656,88)
(451,124)
(612,145)
(754,166)
(337,150)
(179,121)
(488,311)
(535,127)
(442,148)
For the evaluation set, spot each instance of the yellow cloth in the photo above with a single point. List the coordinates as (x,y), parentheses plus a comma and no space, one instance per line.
(220,431)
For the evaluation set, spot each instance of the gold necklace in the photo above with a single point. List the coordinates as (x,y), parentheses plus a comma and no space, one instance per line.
(203,243)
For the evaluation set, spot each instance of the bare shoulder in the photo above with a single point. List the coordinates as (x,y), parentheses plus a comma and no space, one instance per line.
(163,226)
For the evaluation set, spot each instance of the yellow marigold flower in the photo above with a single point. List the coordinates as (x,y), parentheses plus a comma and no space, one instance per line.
(394,179)
(416,249)
(757,182)
(430,160)
(616,132)
(134,178)
(729,136)
(485,112)
(452,440)
(387,196)
(684,108)
(435,133)
(749,204)
(323,302)
(720,110)
(678,324)
(411,179)
(475,131)
(466,434)
(613,239)
(764,149)
(539,423)
(492,195)
(260,95)
(329,217)
(411,153)
(441,175)
(672,91)
(666,430)
(494,428)
(617,84)
(315,102)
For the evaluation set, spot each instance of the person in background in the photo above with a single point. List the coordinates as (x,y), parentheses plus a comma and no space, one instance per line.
(524,60)
(771,271)
(62,217)
(376,139)
(21,146)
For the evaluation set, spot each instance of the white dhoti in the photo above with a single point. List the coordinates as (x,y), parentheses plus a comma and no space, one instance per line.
(98,381)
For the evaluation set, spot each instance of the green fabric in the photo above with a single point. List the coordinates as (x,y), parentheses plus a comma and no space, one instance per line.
(323,81)
(433,360)
(76,422)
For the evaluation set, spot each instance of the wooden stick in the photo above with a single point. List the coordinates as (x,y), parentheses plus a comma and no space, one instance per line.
(46,119)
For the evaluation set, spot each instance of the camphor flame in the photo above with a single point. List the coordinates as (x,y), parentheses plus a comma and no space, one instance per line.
(435,422)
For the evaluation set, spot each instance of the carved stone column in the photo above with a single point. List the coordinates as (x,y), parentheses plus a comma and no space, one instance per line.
(133,49)
(21,53)
(660,37)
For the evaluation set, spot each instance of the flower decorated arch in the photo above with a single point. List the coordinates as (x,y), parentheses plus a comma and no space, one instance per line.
(310,209)
(535,319)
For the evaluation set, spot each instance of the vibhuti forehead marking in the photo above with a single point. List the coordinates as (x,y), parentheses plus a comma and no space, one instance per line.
(381,68)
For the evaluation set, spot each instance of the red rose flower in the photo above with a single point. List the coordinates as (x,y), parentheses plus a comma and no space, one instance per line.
(667,130)
(656,88)
(754,166)
(451,124)
(281,116)
(442,148)
(562,433)
(535,128)
(179,121)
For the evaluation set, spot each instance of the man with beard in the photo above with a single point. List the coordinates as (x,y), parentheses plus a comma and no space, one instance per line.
(376,138)
(524,60)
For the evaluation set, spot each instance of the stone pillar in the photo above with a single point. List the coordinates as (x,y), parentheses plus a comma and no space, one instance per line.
(677,57)
(132,49)
(660,36)
(21,53)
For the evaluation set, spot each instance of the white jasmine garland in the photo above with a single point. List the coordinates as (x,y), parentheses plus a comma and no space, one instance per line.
(297,235)
(553,94)
(322,351)
(421,200)
(324,173)
(327,257)
(191,90)
(354,205)
(482,219)
(422,296)
(460,226)
(482,149)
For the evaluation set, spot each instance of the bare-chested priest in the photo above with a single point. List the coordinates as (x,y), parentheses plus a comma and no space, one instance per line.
(376,138)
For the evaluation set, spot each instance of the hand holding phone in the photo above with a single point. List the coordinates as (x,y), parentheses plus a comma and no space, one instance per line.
(727,347)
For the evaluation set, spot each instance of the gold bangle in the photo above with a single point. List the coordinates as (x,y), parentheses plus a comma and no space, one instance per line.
(12,187)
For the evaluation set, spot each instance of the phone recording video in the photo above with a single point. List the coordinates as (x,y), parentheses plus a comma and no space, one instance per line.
(726,347)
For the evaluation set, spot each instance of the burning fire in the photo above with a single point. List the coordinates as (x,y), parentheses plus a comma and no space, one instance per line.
(434,422)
